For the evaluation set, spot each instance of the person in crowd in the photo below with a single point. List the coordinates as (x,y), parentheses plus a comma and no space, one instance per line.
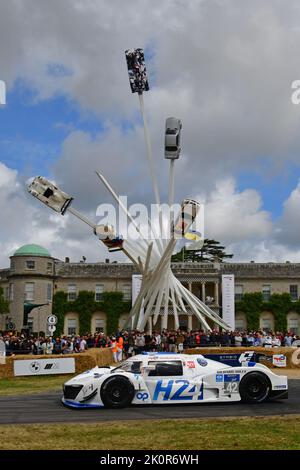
(268,341)
(57,346)
(139,343)
(288,340)
(120,347)
(82,344)
(114,348)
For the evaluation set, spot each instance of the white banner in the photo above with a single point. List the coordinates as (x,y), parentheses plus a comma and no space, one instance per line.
(45,366)
(228,313)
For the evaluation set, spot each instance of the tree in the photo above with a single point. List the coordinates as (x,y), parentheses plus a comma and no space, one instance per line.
(211,251)
(4,305)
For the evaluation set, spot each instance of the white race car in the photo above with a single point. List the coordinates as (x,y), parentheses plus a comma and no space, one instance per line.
(50,194)
(164,378)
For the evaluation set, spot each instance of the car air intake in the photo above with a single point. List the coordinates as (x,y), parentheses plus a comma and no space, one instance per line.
(71,391)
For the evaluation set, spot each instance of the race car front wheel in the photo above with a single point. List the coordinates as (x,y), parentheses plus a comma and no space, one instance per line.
(254,387)
(117,392)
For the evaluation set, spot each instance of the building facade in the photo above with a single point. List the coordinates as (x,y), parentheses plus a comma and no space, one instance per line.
(34,276)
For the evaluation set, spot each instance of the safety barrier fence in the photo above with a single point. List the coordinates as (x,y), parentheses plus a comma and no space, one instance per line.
(271,357)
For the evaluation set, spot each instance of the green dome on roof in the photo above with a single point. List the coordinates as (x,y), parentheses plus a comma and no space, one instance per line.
(32,250)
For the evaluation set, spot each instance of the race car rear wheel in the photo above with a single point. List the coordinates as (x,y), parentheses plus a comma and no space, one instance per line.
(117,392)
(254,387)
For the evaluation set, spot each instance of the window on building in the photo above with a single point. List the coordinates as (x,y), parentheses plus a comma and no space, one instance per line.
(6,293)
(126,289)
(49,292)
(294,291)
(99,325)
(72,326)
(11,291)
(49,268)
(30,264)
(72,292)
(99,289)
(29,291)
(12,265)
(266,324)
(293,326)
(240,325)
(238,292)
(266,292)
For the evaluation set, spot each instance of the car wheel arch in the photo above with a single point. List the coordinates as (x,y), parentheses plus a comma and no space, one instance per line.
(261,380)
(124,388)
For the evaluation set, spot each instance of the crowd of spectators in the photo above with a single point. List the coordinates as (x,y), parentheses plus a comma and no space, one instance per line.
(126,344)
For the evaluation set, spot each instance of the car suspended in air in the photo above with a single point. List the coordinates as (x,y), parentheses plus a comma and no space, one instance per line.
(186,217)
(106,233)
(173,138)
(50,194)
(137,70)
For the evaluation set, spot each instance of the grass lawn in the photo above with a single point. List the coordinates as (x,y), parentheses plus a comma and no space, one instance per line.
(27,385)
(193,434)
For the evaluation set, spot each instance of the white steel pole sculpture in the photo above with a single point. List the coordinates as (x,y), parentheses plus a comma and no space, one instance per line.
(161,292)
(2,93)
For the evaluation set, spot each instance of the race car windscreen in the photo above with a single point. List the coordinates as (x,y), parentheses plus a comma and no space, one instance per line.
(129,366)
(166,369)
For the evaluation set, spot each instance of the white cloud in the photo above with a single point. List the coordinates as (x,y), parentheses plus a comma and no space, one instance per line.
(287,230)
(232,216)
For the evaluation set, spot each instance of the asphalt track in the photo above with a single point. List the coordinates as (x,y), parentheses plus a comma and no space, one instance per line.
(47,408)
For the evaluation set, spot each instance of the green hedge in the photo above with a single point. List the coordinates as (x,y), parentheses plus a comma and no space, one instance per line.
(279,304)
(112,304)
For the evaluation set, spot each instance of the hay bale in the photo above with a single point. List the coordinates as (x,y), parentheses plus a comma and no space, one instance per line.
(102,356)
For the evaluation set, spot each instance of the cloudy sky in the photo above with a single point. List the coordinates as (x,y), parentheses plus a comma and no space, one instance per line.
(224,67)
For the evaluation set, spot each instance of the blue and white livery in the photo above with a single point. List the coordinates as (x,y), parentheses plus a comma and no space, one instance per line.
(163,378)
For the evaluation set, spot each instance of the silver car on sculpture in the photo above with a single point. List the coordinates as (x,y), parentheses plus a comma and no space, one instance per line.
(172,138)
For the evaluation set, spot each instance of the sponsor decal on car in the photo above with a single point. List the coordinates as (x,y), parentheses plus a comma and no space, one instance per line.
(279,360)
(231,383)
(279,387)
(202,362)
(233,359)
(190,364)
(231,377)
(176,390)
(142,396)
(219,378)
(246,356)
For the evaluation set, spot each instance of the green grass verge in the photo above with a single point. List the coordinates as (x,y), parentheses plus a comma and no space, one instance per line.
(27,385)
(194,434)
